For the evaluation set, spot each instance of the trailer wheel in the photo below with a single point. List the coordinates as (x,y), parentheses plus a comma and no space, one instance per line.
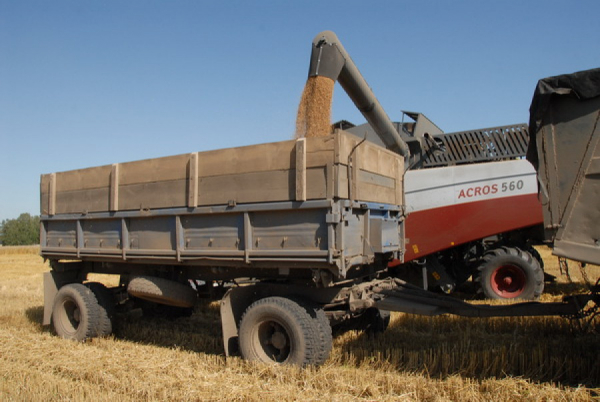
(76,313)
(106,304)
(325,334)
(508,273)
(163,291)
(280,330)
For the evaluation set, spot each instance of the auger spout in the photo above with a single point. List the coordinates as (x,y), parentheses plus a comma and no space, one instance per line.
(330,59)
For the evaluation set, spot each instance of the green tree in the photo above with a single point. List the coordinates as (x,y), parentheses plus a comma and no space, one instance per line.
(22,231)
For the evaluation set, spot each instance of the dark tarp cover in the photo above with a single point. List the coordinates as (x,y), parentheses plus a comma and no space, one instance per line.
(581,85)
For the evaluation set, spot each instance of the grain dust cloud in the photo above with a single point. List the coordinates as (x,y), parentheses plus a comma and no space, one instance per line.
(314,111)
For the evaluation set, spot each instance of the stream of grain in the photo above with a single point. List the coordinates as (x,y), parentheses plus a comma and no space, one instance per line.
(314,111)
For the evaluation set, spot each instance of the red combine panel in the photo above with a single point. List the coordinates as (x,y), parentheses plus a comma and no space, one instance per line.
(453,205)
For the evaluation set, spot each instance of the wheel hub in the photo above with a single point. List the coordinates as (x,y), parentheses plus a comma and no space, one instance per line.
(278,340)
(508,281)
(274,340)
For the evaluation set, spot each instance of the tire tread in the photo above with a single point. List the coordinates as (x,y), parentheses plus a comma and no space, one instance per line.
(89,309)
(515,255)
(106,304)
(313,332)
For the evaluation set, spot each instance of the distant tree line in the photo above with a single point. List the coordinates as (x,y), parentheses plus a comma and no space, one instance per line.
(24,230)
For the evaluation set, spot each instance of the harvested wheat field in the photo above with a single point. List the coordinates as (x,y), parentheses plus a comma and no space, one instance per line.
(416,359)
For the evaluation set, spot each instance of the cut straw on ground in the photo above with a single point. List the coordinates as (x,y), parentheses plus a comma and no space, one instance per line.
(417,359)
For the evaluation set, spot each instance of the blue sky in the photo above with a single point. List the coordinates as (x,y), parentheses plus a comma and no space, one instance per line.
(88,83)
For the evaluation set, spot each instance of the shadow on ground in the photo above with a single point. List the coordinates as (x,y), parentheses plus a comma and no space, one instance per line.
(201,332)
(541,349)
(36,316)
(544,349)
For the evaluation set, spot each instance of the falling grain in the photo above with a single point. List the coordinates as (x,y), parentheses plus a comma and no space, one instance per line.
(314,111)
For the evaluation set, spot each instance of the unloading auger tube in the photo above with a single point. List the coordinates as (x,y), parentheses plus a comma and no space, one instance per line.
(330,59)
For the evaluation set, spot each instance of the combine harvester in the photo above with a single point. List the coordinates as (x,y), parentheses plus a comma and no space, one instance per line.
(471,202)
(472,209)
(310,236)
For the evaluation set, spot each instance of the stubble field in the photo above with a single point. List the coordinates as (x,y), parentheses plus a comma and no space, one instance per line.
(416,359)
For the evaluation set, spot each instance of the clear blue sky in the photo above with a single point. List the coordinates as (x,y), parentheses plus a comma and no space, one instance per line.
(88,83)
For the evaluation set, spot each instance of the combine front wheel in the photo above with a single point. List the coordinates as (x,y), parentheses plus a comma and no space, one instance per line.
(508,273)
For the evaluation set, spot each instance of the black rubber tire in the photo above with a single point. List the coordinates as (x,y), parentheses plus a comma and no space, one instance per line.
(509,273)
(535,254)
(325,332)
(162,291)
(106,303)
(280,330)
(76,313)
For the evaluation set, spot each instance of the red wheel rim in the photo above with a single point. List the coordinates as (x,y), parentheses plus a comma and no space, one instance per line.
(508,281)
